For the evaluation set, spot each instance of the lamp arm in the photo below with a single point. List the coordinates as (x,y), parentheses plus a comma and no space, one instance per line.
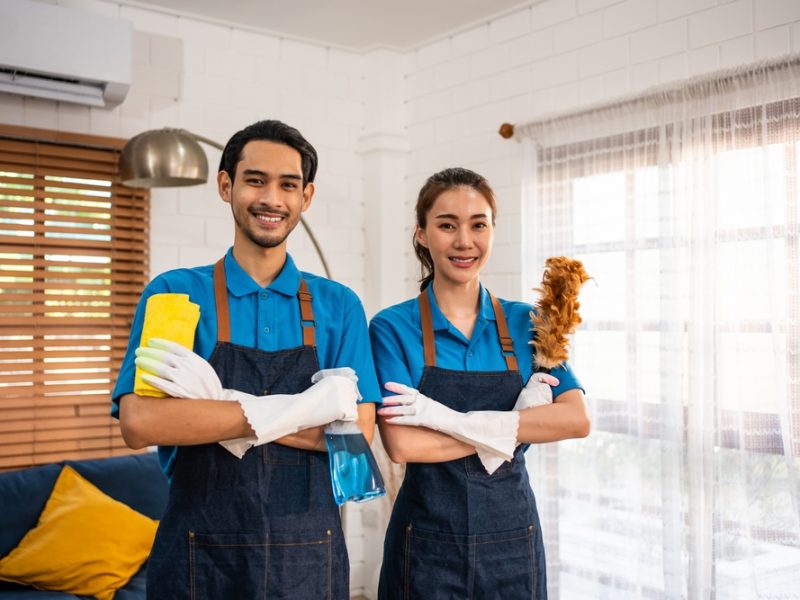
(316,247)
(310,234)
(203,139)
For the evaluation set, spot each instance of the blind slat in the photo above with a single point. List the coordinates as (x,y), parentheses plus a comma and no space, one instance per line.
(67,245)
(37,203)
(73,401)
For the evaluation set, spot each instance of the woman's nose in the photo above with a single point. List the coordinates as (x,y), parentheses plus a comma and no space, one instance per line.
(464,238)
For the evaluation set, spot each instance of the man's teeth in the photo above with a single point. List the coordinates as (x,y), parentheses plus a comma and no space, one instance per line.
(269,219)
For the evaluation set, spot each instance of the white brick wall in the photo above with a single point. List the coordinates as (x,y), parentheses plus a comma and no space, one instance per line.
(575,53)
(554,55)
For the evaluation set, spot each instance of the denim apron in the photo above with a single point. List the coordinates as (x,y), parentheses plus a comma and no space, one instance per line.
(457,532)
(265,526)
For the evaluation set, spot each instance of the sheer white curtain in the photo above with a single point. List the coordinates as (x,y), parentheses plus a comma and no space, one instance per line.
(683,205)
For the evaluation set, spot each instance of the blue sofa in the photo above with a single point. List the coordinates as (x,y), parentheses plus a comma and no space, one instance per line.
(136,480)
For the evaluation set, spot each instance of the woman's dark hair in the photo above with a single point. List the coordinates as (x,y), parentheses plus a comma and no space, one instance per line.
(270,131)
(433,188)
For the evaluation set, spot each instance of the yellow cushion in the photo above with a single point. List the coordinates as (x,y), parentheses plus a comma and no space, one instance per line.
(170,317)
(84,543)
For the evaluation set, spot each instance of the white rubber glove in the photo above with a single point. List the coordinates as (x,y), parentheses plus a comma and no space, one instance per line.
(492,430)
(332,398)
(537,392)
(183,374)
(239,446)
(177,371)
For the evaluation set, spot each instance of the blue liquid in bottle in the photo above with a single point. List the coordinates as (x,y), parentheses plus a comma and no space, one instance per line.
(354,472)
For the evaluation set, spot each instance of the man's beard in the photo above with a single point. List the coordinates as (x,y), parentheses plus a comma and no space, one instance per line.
(265,240)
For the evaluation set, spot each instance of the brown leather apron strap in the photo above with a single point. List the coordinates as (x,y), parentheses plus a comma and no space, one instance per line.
(428,339)
(223,314)
(506,343)
(426,321)
(221,298)
(306,315)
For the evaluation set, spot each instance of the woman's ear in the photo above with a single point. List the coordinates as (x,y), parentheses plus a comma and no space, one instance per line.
(420,236)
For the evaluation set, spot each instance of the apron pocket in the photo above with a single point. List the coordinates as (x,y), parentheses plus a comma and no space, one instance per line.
(505,564)
(300,566)
(227,565)
(435,565)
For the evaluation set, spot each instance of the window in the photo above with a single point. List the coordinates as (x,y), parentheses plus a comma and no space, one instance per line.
(73,261)
(687,486)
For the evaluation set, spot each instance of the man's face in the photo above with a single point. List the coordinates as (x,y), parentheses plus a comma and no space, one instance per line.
(267,195)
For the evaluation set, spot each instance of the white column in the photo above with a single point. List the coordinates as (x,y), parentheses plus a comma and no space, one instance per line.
(384,148)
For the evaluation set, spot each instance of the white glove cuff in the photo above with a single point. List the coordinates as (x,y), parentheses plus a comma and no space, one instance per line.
(239,446)
(260,415)
(491,459)
(498,431)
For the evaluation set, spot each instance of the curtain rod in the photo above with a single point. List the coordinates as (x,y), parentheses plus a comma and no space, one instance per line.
(662,93)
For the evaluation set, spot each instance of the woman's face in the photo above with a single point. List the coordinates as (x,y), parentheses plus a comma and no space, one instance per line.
(459,235)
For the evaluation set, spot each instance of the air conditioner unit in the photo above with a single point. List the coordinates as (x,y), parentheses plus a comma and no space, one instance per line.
(63,54)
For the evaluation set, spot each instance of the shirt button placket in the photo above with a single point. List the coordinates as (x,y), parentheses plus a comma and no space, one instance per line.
(263,312)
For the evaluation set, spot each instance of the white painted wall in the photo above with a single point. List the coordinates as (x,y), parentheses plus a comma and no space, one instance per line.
(382,122)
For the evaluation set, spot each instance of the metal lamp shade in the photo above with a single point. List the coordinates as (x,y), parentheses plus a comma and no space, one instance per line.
(163,158)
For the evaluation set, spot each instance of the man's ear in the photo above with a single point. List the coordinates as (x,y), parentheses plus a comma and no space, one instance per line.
(224,185)
(308,196)
(422,239)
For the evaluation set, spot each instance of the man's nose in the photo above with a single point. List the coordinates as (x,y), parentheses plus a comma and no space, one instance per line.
(269,193)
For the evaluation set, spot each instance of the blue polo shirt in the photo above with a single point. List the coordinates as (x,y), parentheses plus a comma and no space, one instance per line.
(264,318)
(396,336)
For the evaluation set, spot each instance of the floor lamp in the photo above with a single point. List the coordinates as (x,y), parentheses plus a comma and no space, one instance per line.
(174,158)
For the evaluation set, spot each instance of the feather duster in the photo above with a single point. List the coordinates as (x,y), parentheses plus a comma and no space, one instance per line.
(555,315)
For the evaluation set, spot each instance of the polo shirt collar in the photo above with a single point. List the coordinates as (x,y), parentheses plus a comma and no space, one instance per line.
(440,322)
(240,283)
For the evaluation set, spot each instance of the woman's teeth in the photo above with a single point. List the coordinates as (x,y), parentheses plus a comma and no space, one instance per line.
(462,261)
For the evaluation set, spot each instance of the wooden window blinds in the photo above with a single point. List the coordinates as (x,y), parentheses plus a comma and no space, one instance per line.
(74,251)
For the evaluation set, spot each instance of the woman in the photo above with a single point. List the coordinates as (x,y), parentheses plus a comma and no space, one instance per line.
(456,531)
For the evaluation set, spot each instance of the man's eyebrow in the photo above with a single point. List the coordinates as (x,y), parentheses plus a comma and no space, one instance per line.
(263,174)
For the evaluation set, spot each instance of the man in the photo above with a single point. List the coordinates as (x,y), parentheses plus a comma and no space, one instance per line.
(264,525)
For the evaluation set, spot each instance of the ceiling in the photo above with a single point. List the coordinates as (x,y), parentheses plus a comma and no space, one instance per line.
(352,24)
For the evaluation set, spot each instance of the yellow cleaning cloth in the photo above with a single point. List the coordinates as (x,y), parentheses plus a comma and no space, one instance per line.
(170,317)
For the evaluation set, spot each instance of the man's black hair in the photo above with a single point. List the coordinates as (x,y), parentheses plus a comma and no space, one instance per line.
(270,131)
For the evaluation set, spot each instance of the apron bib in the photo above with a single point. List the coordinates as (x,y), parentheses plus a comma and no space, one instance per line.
(265,526)
(457,532)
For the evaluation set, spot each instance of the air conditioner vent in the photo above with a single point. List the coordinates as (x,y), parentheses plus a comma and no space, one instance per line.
(16,73)
(90,64)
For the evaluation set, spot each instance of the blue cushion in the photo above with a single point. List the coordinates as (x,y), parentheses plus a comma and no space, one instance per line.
(135,480)
(20,592)
(135,588)
(23,495)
